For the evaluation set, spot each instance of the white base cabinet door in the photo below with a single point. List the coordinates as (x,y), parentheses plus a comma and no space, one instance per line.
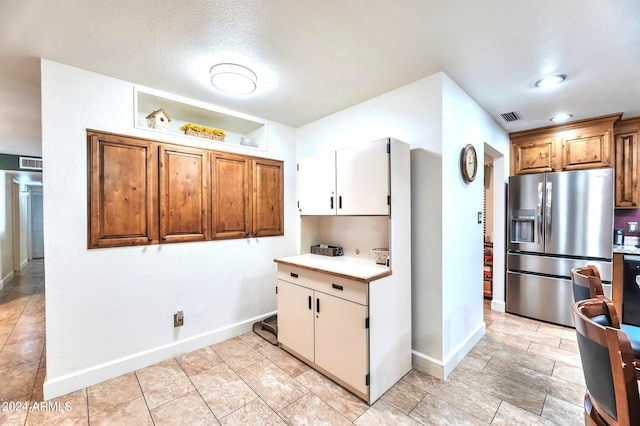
(341,345)
(295,318)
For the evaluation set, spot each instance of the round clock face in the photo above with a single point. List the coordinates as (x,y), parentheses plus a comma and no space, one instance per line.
(469,163)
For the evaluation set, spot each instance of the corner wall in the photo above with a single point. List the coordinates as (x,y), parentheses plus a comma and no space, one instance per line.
(110,311)
(437,119)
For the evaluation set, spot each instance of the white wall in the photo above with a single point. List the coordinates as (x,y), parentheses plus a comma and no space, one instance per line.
(437,119)
(6,230)
(110,311)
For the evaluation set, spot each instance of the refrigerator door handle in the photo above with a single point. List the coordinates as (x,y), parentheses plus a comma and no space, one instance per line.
(539,212)
(548,203)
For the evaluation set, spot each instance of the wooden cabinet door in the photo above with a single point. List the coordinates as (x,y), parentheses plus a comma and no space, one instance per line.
(121,191)
(626,155)
(295,318)
(317,185)
(342,339)
(362,179)
(268,198)
(231,184)
(184,194)
(587,149)
(533,156)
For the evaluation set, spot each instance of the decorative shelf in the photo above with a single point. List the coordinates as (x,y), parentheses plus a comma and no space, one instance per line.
(241,131)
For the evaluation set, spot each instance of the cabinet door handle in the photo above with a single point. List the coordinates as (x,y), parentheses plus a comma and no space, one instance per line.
(149,239)
(309,302)
(294,275)
(164,238)
(318,305)
(340,202)
(332,202)
(337,287)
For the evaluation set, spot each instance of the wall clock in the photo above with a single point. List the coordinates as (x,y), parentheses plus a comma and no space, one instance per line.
(469,163)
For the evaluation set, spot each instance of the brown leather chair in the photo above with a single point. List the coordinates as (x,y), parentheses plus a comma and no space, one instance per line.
(608,365)
(587,285)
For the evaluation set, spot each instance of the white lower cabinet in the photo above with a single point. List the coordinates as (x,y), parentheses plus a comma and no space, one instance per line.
(324,320)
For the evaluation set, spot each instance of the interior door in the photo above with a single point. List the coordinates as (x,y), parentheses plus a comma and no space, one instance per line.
(317,184)
(295,318)
(341,339)
(37,228)
(362,179)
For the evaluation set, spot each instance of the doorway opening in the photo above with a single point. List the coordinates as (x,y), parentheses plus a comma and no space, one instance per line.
(495,230)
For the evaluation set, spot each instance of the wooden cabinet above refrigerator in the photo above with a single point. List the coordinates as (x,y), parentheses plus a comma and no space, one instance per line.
(584,144)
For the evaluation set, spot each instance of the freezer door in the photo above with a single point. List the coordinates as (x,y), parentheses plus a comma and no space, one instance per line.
(579,213)
(525,212)
(543,298)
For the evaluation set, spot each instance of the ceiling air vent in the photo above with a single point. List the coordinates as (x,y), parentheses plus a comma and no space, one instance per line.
(511,116)
(31,163)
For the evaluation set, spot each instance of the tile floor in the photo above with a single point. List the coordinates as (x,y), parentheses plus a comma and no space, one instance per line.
(521,372)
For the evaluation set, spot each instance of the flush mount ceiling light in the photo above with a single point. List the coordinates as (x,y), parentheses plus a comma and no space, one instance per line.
(561,117)
(551,80)
(233,78)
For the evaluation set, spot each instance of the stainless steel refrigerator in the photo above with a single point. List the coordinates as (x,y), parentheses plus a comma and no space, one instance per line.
(556,221)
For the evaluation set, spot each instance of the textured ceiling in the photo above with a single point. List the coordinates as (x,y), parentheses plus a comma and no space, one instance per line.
(314,58)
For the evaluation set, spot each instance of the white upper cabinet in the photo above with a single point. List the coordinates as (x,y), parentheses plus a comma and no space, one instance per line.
(317,184)
(352,181)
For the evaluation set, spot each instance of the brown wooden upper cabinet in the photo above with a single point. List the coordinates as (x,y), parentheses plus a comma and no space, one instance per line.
(121,195)
(247,196)
(584,144)
(231,196)
(184,194)
(148,192)
(626,163)
(268,197)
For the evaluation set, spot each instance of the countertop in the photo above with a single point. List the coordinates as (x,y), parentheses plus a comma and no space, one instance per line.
(626,249)
(363,270)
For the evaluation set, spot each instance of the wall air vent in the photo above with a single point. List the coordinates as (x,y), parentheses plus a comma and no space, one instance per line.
(511,116)
(31,163)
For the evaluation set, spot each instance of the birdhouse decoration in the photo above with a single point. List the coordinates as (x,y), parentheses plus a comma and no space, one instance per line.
(158,120)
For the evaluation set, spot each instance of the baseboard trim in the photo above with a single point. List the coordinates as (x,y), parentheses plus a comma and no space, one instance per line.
(23,264)
(63,385)
(6,279)
(498,305)
(442,369)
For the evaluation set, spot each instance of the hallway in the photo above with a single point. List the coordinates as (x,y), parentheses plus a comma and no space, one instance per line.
(522,372)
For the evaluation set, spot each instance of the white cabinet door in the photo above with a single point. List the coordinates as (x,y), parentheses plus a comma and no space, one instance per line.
(341,339)
(295,318)
(317,185)
(362,176)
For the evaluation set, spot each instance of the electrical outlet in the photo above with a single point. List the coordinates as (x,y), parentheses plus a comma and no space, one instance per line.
(178,319)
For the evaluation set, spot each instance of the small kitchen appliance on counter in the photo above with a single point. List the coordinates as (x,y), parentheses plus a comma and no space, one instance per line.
(326,250)
(618,237)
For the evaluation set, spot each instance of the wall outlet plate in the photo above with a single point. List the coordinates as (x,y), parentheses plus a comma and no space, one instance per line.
(632,226)
(178,319)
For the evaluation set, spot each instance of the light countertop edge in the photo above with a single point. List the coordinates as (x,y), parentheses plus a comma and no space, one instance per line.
(340,266)
(626,249)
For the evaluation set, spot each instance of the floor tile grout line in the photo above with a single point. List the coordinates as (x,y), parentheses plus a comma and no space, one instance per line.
(196,388)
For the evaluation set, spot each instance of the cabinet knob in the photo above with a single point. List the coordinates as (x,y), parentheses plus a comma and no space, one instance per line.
(149,239)
(164,238)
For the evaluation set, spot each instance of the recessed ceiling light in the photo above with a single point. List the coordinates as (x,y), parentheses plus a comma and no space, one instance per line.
(551,80)
(233,78)
(561,117)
